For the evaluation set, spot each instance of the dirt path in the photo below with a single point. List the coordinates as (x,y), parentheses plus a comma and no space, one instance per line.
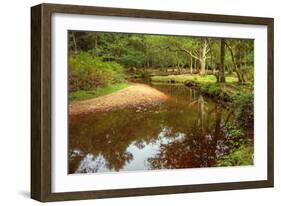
(136,95)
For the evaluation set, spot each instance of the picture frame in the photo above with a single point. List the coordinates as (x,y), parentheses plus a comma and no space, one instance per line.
(42,94)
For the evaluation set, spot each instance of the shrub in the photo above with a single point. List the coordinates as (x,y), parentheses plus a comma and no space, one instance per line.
(241,156)
(236,136)
(244,103)
(214,90)
(87,72)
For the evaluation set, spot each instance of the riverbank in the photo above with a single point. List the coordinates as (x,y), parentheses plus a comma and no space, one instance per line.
(207,85)
(182,78)
(134,96)
(238,98)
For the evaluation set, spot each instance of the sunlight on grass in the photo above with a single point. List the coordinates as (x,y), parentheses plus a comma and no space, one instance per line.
(82,94)
(187,77)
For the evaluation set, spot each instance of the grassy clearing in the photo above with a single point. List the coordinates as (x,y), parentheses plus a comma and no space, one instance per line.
(196,78)
(82,94)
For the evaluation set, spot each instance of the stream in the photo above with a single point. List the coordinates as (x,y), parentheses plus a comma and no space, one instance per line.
(187,131)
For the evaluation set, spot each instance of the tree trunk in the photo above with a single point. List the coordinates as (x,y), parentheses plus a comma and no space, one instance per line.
(236,69)
(213,67)
(203,57)
(239,56)
(245,59)
(191,65)
(177,63)
(96,41)
(221,74)
(203,66)
(74,42)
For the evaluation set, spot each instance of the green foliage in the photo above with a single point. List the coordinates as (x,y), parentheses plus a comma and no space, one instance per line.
(238,157)
(160,51)
(82,94)
(132,58)
(234,131)
(170,78)
(144,74)
(231,79)
(236,135)
(241,148)
(87,72)
(244,104)
(211,89)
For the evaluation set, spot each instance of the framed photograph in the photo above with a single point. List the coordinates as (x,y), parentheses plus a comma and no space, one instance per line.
(132,102)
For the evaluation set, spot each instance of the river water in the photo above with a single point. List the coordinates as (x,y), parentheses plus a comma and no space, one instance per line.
(187,131)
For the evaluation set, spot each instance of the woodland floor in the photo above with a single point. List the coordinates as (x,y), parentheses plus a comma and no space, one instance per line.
(136,95)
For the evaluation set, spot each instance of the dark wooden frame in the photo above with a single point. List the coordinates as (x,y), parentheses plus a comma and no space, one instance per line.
(41,101)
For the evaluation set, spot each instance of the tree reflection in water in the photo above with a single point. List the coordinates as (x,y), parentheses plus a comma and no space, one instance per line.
(200,147)
(185,132)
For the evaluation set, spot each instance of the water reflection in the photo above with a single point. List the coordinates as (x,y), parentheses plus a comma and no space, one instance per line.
(185,132)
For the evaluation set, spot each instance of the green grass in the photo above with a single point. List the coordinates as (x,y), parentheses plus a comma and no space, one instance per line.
(207,84)
(83,95)
(187,77)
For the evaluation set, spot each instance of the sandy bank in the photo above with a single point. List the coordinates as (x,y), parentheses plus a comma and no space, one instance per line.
(133,96)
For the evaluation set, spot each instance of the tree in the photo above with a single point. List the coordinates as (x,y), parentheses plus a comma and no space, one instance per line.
(74,42)
(195,48)
(200,52)
(235,66)
(168,53)
(221,73)
(202,58)
(191,65)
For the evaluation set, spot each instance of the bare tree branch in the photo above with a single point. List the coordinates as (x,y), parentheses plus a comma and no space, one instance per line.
(183,50)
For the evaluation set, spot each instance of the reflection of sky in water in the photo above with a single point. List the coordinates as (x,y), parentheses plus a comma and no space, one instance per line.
(93,164)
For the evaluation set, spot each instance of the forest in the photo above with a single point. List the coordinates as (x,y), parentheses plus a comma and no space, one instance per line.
(217,74)
(108,56)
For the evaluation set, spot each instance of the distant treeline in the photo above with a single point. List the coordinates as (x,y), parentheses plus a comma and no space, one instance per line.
(103,57)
